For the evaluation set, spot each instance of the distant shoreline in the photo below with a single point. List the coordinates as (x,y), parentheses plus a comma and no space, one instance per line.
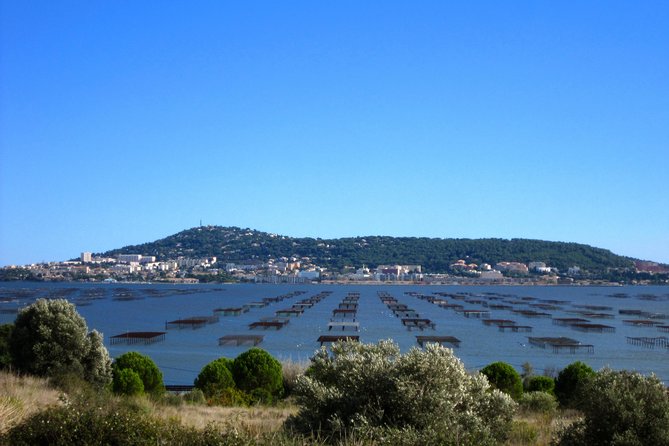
(355,283)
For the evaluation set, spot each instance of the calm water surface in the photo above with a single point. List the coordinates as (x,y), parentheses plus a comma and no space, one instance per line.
(118,308)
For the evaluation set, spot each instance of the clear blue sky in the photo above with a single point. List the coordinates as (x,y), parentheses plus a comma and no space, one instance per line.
(123,122)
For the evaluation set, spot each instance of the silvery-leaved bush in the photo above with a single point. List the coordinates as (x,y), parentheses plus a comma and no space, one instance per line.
(50,338)
(621,408)
(425,395)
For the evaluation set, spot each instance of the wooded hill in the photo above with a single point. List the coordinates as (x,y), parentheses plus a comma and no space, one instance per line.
(232,244)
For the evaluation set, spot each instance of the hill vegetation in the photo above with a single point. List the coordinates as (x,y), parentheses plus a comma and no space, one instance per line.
(233,244)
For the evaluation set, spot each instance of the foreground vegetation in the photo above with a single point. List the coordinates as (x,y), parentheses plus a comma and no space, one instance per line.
(351,394)
(31,406)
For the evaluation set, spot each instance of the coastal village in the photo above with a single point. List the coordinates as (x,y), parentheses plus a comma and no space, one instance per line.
(146,268)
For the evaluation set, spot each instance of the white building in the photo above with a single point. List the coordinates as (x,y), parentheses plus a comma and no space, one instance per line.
(167,266)
(515,267)
(310,275)
(189,262)
(86,257)
(127,258)
(539,267)
(122,269)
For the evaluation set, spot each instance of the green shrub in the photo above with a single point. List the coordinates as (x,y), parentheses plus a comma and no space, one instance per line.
(96,362)
(538,402)
(215,377)
(570,381)
(523,432)
(261,396)
(5,355)
(171,399)
(195,396)
(151,377)
(526,373)
(70,425)
(229,397)
(72,383)
(127,382)
(91,425)
(257,369)
(505,378)
(50,338)
(541,384)
(227,361)
(421,397)
(621,408)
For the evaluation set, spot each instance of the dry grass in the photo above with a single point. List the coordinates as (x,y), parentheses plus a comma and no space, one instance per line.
(256,421)
(537,429)
(21,396)
(252,420)
(291,370)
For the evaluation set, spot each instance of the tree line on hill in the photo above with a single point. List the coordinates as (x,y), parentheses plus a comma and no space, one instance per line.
(435,255)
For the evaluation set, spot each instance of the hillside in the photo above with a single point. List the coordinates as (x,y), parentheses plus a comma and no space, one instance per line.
(232,244)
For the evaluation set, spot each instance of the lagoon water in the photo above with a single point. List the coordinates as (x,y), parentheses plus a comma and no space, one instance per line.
(118,308)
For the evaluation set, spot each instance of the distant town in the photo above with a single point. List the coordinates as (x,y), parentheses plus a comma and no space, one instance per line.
(145,268)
